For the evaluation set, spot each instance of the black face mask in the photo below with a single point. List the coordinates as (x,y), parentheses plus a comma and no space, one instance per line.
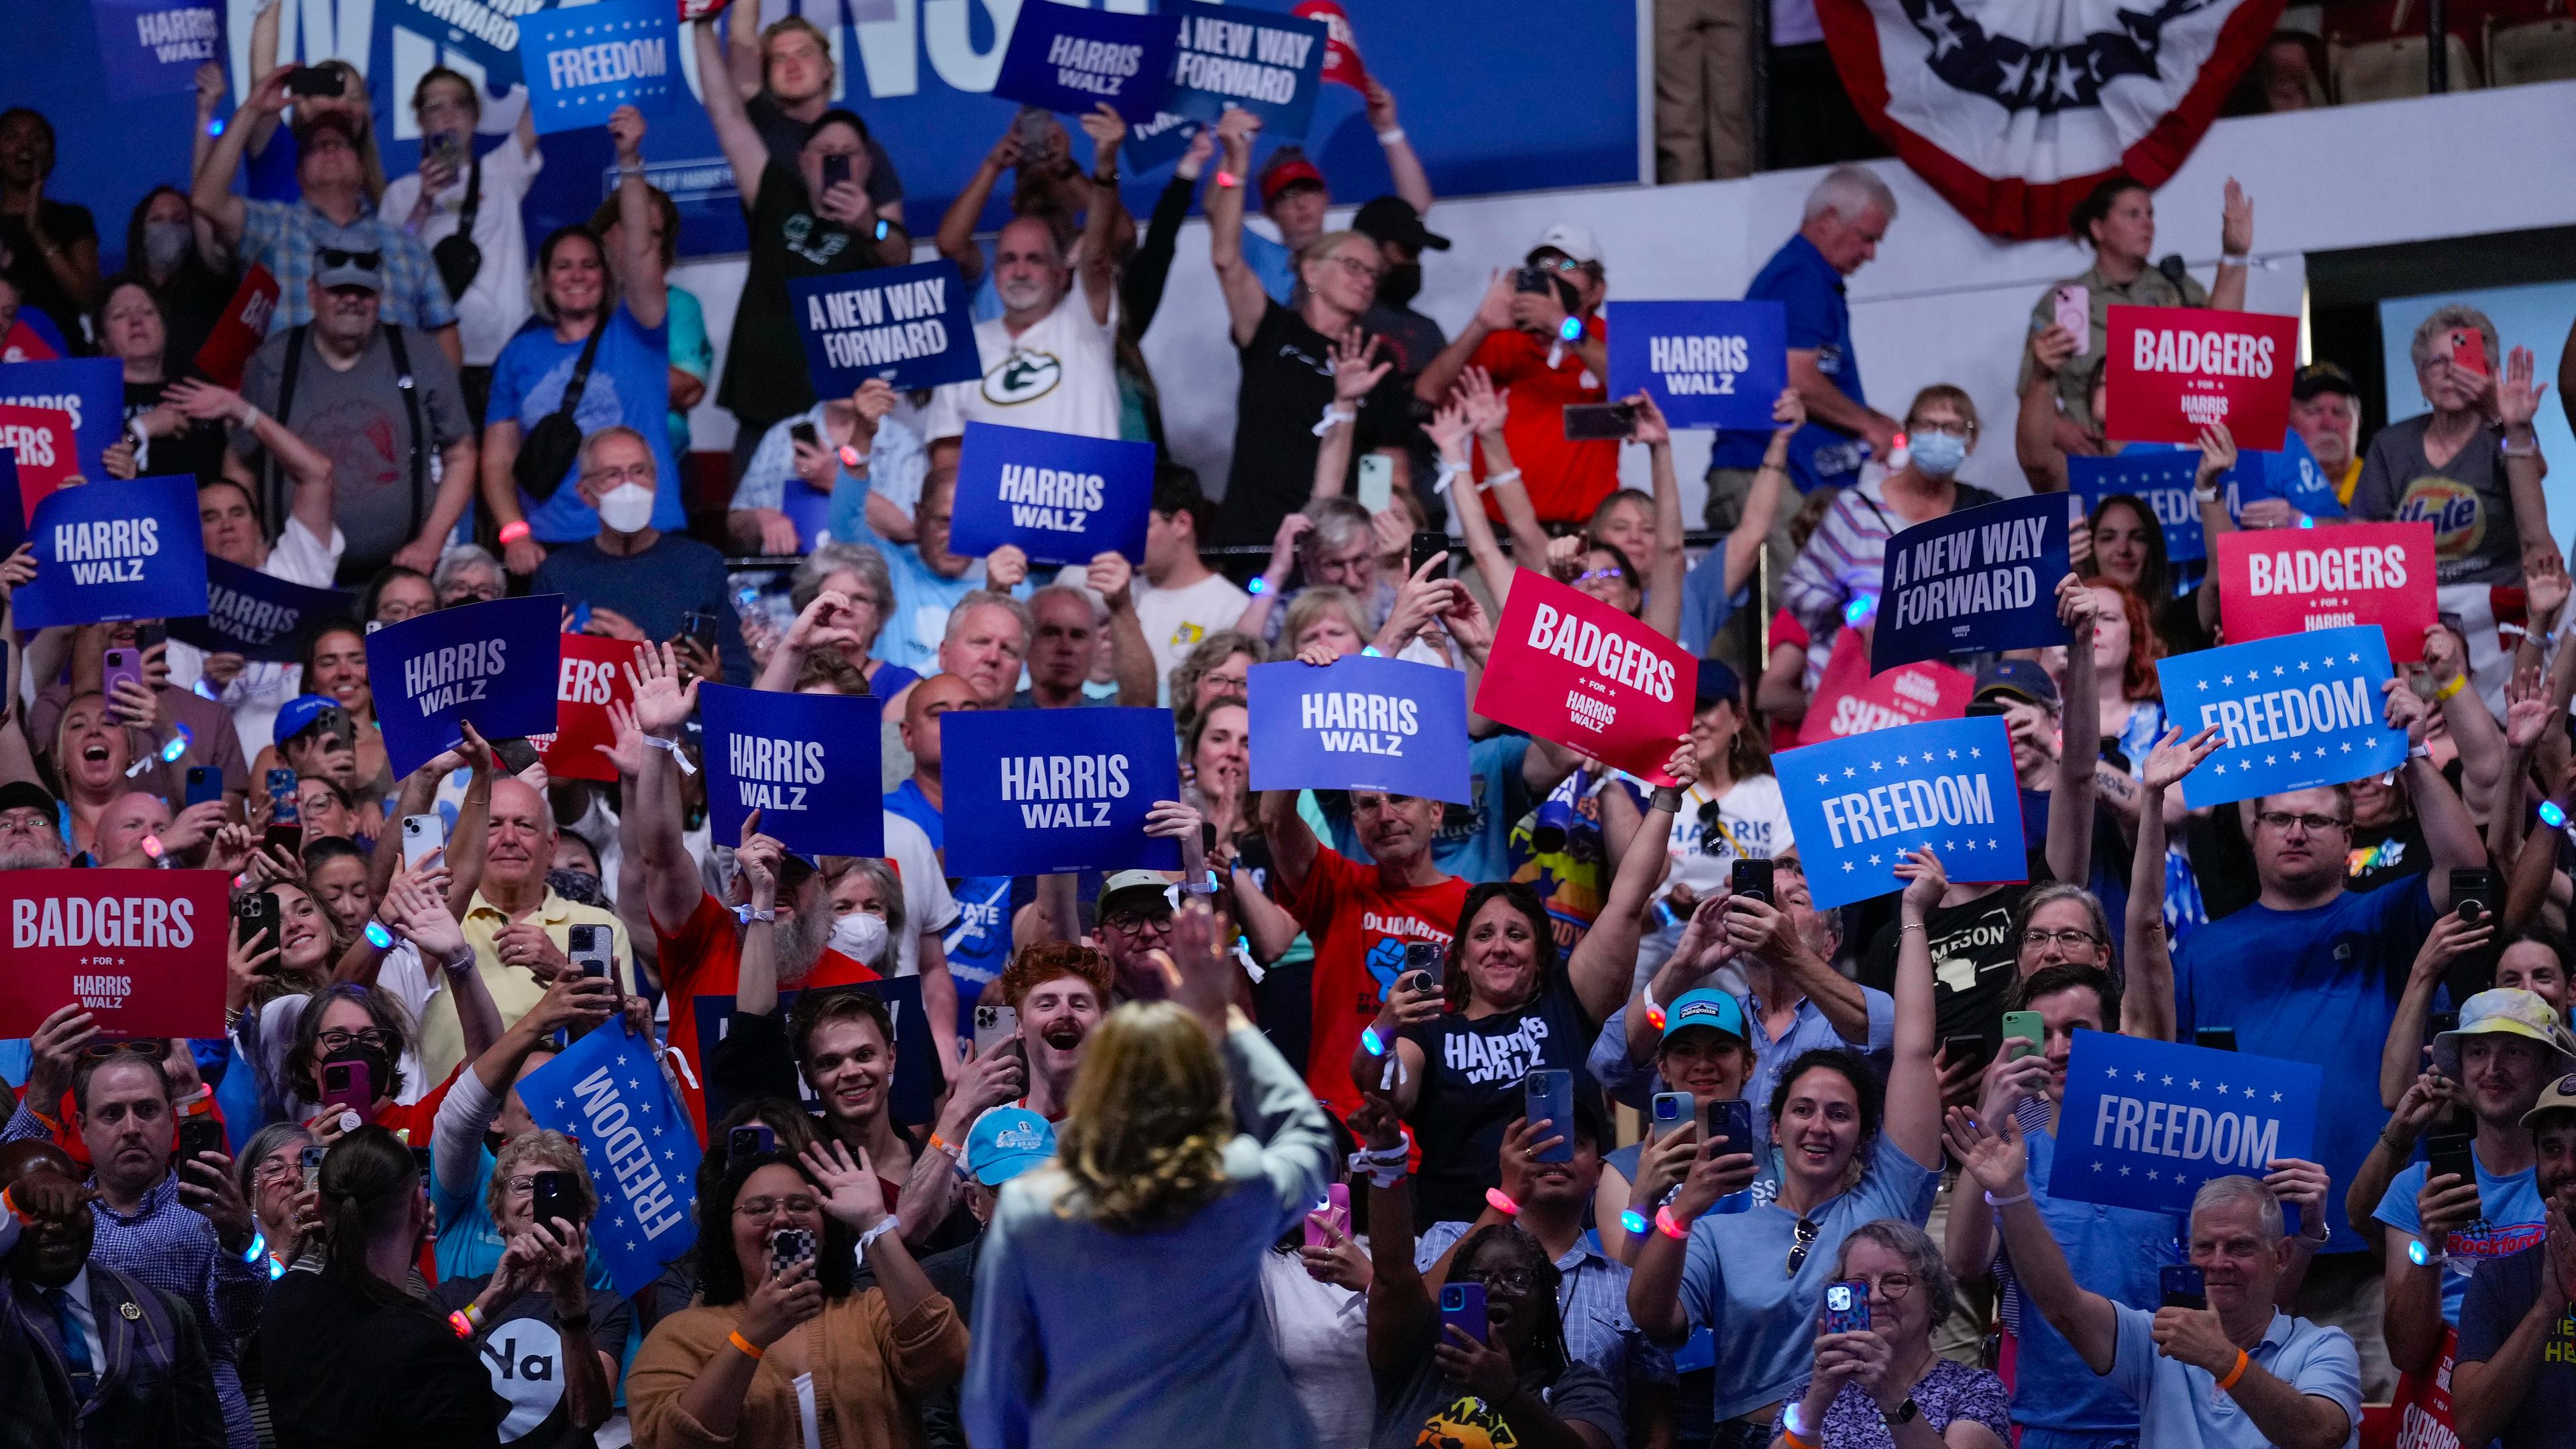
(1400,283)
(382,1076)
(493,1142)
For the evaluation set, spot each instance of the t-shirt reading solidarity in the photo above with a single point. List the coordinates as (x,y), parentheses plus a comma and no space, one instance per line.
(1360,929)
(704,958)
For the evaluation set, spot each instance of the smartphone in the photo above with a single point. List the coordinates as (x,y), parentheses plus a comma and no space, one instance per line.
(422,834)
(1599,422)
(1428,544)
(2435,1024)
(2449,1153)
(2181,1285)
(200,1133)
(1726,1128)
(283,805)
(751,1139)
(149,636)
(123,664)
(1377,482)
(1430,962)
(1847,1307)
(1533,279)
(287,834)
(789,1247)
(2074,307)
(317,80)
(1462,1305)
(1336,1211)
(836,169)
(995,1024)
(1035,126)
(1755,878)
(2024,1026)
(205,783)
(550,1198)
(310,1160)
(515,753)
(1671,1111)
(1966,1047)
(2473,885)
(1551,1095)
(2215,1038)
(2469,350)
(349,1086)
(447,146)
(591,949)
(258,912)
(698,626)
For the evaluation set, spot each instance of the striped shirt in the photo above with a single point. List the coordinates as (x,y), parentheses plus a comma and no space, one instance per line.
(1846,558)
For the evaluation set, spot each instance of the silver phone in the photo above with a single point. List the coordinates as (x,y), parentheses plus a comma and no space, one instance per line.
(421,835)
(1377,482)
(995,1025)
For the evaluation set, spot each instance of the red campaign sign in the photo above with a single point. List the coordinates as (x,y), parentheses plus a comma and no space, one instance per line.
(2422,1407)
(2175,370)
(590,678)
(1567,667)
(2274,581)
(23,343)
(48,449)
(238,333)
(142,951)
(1341,49)
(1850,700)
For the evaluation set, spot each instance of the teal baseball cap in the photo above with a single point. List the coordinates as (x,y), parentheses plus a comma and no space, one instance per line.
(1704,1006)
(1006,1142)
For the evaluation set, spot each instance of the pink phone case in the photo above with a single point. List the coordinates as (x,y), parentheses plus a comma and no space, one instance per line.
(2075,314)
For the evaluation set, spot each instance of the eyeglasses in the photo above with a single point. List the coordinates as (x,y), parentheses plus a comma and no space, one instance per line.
(2313,824)
(338,1040)
(1956,427)
(631,473)
(1598,575)
(471,594)
(527,1183)
(1510,1280)
(331,257)
(155,1047)
(2040,940)
(1133,923)
(275,1171)
(1561,264)
(1354,266)
(1805,1239)
(1895,1285)
(761,1207)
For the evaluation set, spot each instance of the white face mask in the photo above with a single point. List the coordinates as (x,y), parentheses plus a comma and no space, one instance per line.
(861,936)
(627,508)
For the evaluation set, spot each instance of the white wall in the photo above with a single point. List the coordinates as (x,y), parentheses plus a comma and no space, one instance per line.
(1943,302)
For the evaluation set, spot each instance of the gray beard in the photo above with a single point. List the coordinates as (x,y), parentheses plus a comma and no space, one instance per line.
(31,857)
(798,947)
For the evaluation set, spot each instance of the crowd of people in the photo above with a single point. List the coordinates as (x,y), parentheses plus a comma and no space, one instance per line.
(1244,1151)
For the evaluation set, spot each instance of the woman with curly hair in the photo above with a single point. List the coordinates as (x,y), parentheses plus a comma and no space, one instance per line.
(1118,1300)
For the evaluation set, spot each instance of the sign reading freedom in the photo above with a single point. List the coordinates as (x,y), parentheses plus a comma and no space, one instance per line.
(1948,786)
(2145,1123)
(2295,712)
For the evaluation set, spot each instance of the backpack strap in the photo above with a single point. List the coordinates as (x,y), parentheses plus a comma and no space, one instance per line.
(296,339)
(410,389)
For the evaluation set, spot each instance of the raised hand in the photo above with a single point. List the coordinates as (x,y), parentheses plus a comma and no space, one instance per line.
(1107,130)
(2217,453)
(1486,408)
(1924,879)
(2077,606)
(2050,346)
(661,702)
(626,131)
(1788,413)
(2174,757)
(2517,394)
(1650,427)
(1991,1151)
(851,1190)
(2526,709)
(1356,368)
(2236,221)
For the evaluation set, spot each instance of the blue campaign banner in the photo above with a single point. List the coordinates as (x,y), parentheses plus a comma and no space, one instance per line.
(153,47)
(908,325)
(1052,790)
(808,763)
(2291,474)
(917,1078)
(91,389)
(1064,59)
(582,64)
(2161,478)
(13,510)
(1258,60)
(1062,498)
(492,663)
(2295,712)
(1360,724)
(255,616)
(1855,802)
(485,32)
(116,550)
(1980,579)
(1706,364)
(2145,1123)
(607,1093)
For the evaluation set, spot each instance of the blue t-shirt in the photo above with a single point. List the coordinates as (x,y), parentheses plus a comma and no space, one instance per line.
(630,383)
(2118,1253)
(979,945)
(2312,986)
(1800,279)
(1764,1319)
(469,1244)
(2512,1221)
(1474,841)
(1273,263)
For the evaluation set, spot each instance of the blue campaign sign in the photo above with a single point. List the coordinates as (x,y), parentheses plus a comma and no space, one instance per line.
(2296,712)
(1360,723)
(13,511)
(808,763)
(486,32)
(2291,474)
(908,325)
(255,616)
(1260,61)
(2161,478)
(1064,59)
(153,47)
(1706,364)
(116,550)
(1060,497)
(2145,1123)
(607,1093)
(1980,579)
(582,64)
(1052,790)
(91,389)
(493,663)
(1949,784)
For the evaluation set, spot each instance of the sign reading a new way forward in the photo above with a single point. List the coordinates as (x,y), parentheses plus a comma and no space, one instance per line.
(908,325)
(1979,579)
(1947,785)
(2295,712)
(2145,1123)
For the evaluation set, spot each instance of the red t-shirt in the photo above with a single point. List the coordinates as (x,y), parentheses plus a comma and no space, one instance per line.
(1360,930)
(1566,480)
(701,966)
(1785,629)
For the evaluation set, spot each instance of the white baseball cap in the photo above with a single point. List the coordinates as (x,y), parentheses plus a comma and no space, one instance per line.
(1572,238)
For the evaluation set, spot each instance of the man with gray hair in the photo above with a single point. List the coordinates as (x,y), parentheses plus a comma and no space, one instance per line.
(467,574)
(2235,1371)
(1066,641)
(640,583)
(30,838)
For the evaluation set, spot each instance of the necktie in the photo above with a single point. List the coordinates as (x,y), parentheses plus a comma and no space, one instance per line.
(75,1345)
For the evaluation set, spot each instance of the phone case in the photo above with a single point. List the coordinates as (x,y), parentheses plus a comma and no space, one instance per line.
(2075,314)
(1551,1095)
(1462,1305)
(1671,1110)
(1847,1307)
(348,1086)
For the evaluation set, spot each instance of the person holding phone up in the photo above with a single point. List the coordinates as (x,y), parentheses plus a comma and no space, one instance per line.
(2473,461)
(465,209)
(1877,1383)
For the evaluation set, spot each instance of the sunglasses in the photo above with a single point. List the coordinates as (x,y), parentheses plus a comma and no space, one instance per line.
(331,257)
(157,1048)
(1805,1240)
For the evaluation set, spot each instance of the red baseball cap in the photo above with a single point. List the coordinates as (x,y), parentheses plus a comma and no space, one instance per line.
(1288,168)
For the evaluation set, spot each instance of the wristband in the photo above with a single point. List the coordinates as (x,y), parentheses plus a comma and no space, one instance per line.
(1670,1226)
(1790,1437)
(249,414)
(1501,1202)
(2528,450)
(463,1325)
(379,937)
(1371,1042)
(512,532)
(750,1350)
(1371,651)
(1228,179)
(2204,496)
(937,1144)
(1571,329)
(1384,1166)
(1257,586)
(1446,472)
(1668,798)
(1390,135)
(1654,1013)
(1334,413)
(25,1218)
(258,1246)
(2238,1372)
(2458,682)
(1497,480)
(2420,752)
(885,1225)
(747,915)
(2235,259)
(1996,1202)
(673,746)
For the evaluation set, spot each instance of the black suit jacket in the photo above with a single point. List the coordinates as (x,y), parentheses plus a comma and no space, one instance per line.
(155,1389)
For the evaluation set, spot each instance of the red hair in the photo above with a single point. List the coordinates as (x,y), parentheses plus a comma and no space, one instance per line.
(2138,677)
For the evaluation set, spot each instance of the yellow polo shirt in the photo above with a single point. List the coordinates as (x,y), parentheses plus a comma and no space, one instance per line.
(515,989)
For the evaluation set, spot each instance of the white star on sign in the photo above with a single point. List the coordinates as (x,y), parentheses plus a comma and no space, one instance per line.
(1873,860)
(1901,760)
(1990,844)
(1952,844)
(2222,1089)
(1975,753)
(2097,1167)
(2303,666)
(2249,1091)
(2195,1084)
(2124,1169)
(2112,1072)
(2204,685)
(2151,1174)
(1847,772)
(2142,1076)
(2356,658)
(2168,1079)
(2347,747)
(1954,754)
(1874,767)
(2277,670)
(1847,865)
(559,1102)
(2271,759)
(2276,1096)
(2294,757)
(2221,769)
(1820,779)
(2227,679)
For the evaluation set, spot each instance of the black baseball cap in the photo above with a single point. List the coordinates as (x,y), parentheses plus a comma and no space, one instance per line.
(2319,377)
(1393,219)
(2011,681)
(1717,680)
(26,795)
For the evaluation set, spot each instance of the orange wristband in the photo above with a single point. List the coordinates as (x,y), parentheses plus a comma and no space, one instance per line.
(2235,1373)
(750,1349)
